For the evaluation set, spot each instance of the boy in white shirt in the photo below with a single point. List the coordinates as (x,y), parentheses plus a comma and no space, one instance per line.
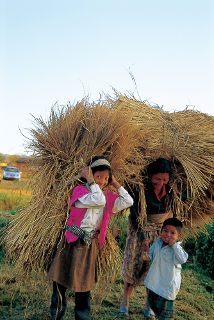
(164,277)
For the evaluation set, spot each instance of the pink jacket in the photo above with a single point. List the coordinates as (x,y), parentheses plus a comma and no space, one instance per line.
(77,214)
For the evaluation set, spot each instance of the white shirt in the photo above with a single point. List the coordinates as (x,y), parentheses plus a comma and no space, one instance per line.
(95,203)
(164,276)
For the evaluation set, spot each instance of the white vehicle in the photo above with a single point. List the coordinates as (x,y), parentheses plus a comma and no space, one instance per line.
(11,173)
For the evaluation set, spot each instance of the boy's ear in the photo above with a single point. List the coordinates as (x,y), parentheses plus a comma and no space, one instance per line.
(179,235)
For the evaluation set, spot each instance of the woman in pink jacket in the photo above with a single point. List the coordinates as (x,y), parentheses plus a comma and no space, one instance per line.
(74,266)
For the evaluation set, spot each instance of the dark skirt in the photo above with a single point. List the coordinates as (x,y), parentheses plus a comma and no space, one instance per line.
(74,265)
(162,307)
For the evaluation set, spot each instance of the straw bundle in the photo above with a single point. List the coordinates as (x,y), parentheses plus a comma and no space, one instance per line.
(195,152)
(110,256)
(186,139)
(109,265)
(131,135)
(62,146)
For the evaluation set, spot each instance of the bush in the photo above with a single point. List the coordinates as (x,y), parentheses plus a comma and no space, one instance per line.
(4,220)
(118,226)
(201,249)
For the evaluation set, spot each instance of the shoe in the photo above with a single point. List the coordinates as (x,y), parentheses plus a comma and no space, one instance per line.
(123,312)
(148,313)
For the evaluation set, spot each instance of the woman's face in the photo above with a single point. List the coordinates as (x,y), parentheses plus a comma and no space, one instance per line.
(159,179)
(101,178)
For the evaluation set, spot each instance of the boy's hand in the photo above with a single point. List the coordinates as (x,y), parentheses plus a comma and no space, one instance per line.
(171,242)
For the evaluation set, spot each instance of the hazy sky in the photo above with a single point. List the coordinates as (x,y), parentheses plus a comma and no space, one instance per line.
(61,50)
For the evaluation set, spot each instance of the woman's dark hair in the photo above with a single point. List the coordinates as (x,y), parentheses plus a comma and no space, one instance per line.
(160,165)
(101,167)
(173,222)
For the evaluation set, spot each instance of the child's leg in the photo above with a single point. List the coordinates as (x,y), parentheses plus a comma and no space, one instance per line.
(82,305)
(58,301)
(148,311)
(162,307)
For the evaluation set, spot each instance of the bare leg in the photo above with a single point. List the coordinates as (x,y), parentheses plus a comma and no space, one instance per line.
(128,288)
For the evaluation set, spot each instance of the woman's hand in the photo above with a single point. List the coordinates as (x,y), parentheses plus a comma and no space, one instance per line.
(115,183)
(145,253)
(145,245)
(87,174)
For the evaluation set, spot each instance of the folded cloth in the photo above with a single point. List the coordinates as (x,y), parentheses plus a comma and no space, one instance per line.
(80,233)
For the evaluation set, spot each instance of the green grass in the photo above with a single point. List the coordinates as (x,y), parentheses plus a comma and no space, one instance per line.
(12,201)
(23,298)
(28,298)
(23,184)
(13,195)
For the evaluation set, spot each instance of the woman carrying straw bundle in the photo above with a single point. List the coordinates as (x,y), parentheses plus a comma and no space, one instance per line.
(74,266)
(159,198)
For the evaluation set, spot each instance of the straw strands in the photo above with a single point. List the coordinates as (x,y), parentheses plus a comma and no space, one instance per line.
(186,139)
(131,135)
(62,146)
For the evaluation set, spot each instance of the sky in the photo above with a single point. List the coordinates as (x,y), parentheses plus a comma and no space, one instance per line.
(59,51)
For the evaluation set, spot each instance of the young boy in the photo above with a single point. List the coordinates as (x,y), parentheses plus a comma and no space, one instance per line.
(164,277)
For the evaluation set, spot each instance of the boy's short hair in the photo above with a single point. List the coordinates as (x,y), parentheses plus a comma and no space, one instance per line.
(173,222)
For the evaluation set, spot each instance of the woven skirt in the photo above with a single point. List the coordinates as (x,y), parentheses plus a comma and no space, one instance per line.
(74,265)
(135,268)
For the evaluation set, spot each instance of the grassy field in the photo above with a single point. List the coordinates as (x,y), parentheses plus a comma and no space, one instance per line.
(14,194)
(28,298)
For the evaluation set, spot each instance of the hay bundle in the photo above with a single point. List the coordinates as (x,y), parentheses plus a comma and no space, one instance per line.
(195,133)
(131,135)
(109,263)
(109,260)
(62,146)
(186,139)
(150,124)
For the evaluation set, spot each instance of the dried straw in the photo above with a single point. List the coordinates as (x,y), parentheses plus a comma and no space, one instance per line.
(62,146)
(131,135)
(186,139)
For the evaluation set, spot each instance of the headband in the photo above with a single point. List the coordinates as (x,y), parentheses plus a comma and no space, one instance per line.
(100,162)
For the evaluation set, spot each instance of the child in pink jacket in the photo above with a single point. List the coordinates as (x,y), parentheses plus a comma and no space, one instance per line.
(74,266)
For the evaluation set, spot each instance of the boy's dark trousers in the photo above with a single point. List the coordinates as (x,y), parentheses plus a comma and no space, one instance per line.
(58,303)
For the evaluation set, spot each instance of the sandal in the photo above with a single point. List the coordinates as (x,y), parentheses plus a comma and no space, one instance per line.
(148,314)
(123,312)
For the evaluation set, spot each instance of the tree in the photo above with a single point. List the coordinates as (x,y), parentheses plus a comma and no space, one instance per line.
(12,159)
(2,157)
